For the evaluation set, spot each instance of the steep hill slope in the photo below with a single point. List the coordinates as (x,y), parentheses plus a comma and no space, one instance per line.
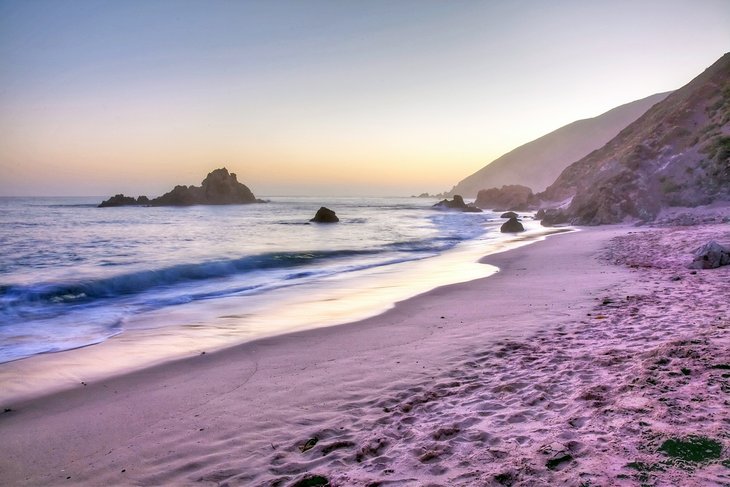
(537,163)
(676,154)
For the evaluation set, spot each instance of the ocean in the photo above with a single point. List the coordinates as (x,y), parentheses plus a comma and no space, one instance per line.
(182,279)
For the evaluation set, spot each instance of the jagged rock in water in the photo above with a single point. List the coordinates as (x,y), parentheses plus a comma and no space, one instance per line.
(512,225)
(121,200)
(512,197)
(325,215)
(710,256)
(509,214)
(218,188)
(179,196)
(456,204)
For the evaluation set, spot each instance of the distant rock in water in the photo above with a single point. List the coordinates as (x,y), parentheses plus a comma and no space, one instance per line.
(218,188)
(121,200)
(512,225)
(710,256)
(456,204)
(509,214)
(325,215)
(510,197)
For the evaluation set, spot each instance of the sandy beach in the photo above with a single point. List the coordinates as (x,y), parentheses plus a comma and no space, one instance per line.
(573,365)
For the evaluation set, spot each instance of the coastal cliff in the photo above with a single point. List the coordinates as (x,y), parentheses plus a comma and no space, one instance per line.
(676,154)
(536,164)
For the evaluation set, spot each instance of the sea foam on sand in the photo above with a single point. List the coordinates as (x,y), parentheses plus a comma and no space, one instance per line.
(591,358)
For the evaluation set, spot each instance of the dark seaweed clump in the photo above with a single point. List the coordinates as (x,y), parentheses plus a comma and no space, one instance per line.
(692,449)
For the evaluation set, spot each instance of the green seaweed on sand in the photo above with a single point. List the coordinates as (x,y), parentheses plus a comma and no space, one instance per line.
(313,481)
(308,445)
(692,449)
(644,471)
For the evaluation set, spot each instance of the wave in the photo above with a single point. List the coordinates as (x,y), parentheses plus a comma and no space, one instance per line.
(141,281)
(80,292)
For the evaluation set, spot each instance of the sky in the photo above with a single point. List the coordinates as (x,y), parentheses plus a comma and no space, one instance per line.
(312,97)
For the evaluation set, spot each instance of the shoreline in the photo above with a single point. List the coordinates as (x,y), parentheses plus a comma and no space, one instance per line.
(143,346)
(400,397)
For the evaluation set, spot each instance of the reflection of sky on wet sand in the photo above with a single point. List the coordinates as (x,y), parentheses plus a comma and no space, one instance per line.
(207,326)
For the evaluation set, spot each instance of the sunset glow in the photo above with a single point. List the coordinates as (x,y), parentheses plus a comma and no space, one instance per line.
(318,97)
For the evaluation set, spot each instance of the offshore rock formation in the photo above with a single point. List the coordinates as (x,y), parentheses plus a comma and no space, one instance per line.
(513,197)
(218,188)
(538,163)
(676,154)
(325,215)
(456,204)
(121,200)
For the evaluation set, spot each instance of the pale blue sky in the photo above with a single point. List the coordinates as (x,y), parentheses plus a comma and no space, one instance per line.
(308,97)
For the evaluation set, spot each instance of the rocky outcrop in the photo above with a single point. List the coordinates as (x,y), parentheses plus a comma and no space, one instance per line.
(513,197)
(538,163)
(325,215)
(513,225)
(218,188)
(456,204)
(710,256)
(676,154)
(121,200)
(551,217)
(509,214)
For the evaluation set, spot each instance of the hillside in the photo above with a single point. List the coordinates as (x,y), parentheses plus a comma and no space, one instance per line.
(676,154)
(537,163)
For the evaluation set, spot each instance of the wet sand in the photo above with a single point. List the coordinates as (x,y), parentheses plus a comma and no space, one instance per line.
(573,365)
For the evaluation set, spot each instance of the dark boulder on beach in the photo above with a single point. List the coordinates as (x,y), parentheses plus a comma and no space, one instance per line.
(325,215)
(509,214)
(512,225)
(456,204)
(218,188)
(710,256)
